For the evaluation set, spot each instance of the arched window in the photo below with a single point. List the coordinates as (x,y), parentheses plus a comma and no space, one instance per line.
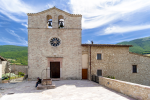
(49,21)
(61,21)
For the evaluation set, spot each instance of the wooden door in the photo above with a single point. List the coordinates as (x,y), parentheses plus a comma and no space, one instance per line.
(84,73)
(55,69)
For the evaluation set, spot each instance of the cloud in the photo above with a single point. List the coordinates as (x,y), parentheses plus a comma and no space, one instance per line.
(8,41)
(3,23)
(24,30)
(124,29)
(49,6)
(128,39)
(66,10)
(88,42)
(3,18)
(16,9)
(26,25)
(100,12)
(21,40)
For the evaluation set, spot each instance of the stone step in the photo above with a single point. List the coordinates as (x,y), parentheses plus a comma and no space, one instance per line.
(55,79)
(50,86)
(41,87)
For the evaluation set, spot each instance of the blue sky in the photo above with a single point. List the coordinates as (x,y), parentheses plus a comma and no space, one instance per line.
(103,21)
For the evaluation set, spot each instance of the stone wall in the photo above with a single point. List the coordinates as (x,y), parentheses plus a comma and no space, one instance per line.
(143,69)
(117,61)
(136,91)
(0,70)
(4,66)
(40,20)
(40,50)
(19,68)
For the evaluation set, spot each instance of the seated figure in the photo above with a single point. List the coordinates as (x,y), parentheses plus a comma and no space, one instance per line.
(38,82)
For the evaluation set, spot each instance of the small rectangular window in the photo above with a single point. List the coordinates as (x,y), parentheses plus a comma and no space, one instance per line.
(99,72)
(99,57)
(134,68)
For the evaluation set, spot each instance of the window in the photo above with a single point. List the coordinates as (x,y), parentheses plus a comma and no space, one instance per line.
(55,42)
(134,68)
(99,57)
(99,72)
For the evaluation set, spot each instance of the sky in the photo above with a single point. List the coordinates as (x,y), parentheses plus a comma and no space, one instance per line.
(103,21)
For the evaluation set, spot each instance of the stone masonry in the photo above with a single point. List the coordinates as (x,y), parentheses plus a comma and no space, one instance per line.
(4,66)
(117,61)
(0,70)
(40,50)
(19,68)
(75,57)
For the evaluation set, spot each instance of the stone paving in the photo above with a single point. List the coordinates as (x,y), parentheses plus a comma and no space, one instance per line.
(65,90)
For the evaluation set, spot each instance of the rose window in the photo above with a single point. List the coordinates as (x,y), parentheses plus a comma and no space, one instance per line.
(55,42)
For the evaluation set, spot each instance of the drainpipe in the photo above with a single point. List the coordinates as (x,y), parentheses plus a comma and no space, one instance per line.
(90,62)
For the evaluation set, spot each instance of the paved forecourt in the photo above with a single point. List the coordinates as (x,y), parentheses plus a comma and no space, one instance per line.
(65,90)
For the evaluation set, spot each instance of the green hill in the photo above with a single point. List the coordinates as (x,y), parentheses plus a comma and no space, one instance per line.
(140,46)
(19,54)
(15,54)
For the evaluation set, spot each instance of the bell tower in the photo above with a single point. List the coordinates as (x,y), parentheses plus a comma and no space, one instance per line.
(54,43)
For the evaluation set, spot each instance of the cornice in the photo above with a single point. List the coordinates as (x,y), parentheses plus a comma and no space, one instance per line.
(72,15)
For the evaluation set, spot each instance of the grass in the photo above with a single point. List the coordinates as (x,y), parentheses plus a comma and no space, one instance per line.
(10,76)
(13,77)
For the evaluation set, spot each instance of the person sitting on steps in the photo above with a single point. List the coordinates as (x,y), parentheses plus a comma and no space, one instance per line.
(38,81)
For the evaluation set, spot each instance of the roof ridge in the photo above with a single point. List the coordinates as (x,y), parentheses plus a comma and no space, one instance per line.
(3,58)
(106,45)
(73,15)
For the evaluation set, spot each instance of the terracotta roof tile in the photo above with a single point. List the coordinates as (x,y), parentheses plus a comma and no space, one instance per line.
(110,45)
(3,59)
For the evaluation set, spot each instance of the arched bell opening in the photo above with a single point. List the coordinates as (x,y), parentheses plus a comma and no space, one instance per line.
(61,21)
(49,21)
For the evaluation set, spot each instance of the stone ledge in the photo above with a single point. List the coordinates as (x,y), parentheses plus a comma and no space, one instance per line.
(137,91)
(41,87)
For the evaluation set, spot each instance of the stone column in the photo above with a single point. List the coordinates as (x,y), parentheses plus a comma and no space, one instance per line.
(55,21)
(48,72)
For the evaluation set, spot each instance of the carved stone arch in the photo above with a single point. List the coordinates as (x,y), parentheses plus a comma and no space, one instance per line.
(60,17)
(61,21)
(49,21)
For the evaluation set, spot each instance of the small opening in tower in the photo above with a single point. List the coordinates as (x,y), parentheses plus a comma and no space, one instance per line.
(61,21)
(49,21)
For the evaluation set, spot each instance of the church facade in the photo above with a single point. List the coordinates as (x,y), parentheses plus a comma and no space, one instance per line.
(55,51)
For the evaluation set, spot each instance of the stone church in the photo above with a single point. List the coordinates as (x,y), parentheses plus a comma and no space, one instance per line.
(55,51)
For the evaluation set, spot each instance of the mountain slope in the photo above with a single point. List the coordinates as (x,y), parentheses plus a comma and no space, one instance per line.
(19,54)
(16,54)
(140,46)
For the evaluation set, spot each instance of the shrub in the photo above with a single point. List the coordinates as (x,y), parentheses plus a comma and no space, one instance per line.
(112,77)
(4,77)
(108,76)
(21,73)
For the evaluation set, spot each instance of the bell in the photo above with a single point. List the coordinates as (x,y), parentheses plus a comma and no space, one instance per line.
(50,23)
(61,24)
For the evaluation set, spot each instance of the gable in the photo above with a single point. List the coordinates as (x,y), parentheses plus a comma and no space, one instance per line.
(56,9)
(52,17)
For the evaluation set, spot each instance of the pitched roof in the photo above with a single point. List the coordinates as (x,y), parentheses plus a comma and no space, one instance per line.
(3,59)
(107,45)
(72,15)
(139,54)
